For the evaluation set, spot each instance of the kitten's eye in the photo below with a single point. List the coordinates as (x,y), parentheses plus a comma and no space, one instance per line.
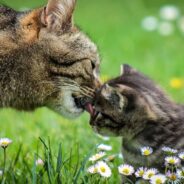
(130,106)
(93,64)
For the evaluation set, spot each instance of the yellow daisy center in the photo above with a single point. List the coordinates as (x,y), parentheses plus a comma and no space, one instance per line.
(141,173)
(173,177)
(150,175)
(4,142)
(158,181)
(95,170)
(102,169)
(172,161)
(146,152)
(126,171)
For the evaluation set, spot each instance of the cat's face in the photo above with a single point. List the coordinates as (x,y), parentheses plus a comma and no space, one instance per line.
(123,105)
(58,63)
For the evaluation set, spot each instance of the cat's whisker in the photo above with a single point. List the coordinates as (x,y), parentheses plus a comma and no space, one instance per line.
(89,92)
(88,88)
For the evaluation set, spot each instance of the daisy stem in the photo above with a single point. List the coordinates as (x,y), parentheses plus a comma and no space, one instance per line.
(4,168)
(106,181)
(129,180)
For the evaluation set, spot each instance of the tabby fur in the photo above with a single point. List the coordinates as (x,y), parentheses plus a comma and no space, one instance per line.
(45,60)
(134,107)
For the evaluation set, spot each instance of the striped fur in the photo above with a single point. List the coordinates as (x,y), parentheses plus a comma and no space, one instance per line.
(41,49)
(133,107)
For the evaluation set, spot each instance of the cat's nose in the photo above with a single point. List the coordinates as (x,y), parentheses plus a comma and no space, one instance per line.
(97,83)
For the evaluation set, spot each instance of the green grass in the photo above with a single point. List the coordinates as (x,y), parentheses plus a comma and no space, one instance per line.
(115,27)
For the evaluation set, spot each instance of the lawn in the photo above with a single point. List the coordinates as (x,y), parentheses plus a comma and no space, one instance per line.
(115,26)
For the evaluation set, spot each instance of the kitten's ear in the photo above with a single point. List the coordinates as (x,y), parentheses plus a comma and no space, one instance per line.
(127,69)
(57,15)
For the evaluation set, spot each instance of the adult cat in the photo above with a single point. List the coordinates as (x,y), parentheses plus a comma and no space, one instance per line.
(45,60)
(133,107)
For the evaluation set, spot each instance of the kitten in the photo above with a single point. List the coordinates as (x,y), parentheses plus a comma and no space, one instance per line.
(133,107)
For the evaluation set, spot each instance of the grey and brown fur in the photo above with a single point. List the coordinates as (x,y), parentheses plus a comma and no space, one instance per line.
(45,60)
(134,107)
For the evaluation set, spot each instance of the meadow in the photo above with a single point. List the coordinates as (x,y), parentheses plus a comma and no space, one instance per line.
(66,145)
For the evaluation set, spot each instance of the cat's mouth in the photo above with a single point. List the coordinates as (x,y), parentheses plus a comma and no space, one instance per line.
(85,103)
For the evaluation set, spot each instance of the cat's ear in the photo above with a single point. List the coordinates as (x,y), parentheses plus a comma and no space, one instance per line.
(57,15)
(127,69)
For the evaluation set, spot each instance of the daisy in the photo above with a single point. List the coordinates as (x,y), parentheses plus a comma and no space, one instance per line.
(103,137)
(172,160)
(166,28)
(103,169)
(97,156)
(181,155)
(140,172)
(120,156)
(126,169)
(39,162)
(92,169)
(150,173)
(146,151)
(172,177)
(158,179)
(150,23)
(180,173)
(110,158)
(169,12)
(104,147)
(169,150)
(5,142)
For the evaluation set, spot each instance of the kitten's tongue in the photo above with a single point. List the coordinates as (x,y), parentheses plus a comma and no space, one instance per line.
(89,108)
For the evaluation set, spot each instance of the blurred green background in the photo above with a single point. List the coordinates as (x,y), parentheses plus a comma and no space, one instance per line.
(115,26)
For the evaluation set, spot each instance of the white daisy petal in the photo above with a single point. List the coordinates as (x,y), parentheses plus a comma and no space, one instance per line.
(103,137)
(169,150)
(146,151)
(150,173)
(126,169)
(172,160)
(181,155)
(92,169)
(150,23)
(5,142)
(103,169)
(120,155)
(172,177)
(180,173)
(169,12)
(97,156)
(158,179)
(111,158)
(140,172)
(104,147)
(166,28)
